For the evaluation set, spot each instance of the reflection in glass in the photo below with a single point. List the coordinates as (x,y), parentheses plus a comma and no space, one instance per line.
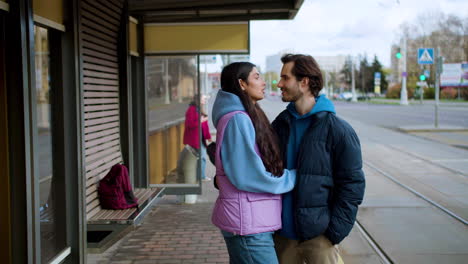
(210,77)
(194,116)
(52,218)
(171,84)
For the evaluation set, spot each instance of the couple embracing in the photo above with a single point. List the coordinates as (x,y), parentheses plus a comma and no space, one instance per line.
(288,192)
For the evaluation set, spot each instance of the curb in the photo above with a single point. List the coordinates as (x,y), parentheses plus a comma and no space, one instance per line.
(432,129)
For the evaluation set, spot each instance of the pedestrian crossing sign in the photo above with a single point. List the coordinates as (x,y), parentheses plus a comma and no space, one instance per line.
(425,56)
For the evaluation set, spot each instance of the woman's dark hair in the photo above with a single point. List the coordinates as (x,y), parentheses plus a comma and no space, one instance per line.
(196,102)
(265,138)
(306,66)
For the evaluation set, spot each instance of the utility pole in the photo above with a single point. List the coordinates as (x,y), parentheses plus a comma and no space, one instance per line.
(438,63)
(268,81)
(353,84)
(404,92)
(205,87)
(326,84)
(167,98)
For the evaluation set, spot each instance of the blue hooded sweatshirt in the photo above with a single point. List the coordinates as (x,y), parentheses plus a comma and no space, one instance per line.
(243,167)
(299,125)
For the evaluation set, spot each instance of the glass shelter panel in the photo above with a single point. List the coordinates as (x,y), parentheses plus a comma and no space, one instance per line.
(174,116)
(210,79)
(52,215)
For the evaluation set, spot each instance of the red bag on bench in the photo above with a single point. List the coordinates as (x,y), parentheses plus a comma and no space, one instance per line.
(115,191)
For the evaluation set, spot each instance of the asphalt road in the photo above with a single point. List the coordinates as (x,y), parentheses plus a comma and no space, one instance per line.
(396,115)
(392,116)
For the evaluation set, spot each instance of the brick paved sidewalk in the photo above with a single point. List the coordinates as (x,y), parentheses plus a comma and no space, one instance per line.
(172,233)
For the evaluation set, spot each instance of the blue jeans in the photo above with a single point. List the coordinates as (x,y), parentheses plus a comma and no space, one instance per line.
(250,249)
(203,160)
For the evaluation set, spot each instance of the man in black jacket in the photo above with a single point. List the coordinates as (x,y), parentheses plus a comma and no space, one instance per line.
(321,210)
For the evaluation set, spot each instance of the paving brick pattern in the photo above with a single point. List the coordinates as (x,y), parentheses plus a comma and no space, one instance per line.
(172,232)
(167,235)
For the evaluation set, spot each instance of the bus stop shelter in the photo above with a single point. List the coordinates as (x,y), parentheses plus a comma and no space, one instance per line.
(87,84)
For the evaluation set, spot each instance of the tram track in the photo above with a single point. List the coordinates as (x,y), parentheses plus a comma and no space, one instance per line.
(384,257)
(420,195)
(409,188)
(374,245)
(381,246)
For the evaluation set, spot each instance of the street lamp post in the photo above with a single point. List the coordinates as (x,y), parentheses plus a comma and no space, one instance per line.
(166,77)
(438,62)
(326,84)
(404,92)
(353,84)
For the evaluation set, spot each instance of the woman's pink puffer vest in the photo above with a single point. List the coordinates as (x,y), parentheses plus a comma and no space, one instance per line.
(242,212)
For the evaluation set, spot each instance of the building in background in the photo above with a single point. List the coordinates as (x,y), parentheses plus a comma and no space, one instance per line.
(273,63)
(326,63)
(331,63)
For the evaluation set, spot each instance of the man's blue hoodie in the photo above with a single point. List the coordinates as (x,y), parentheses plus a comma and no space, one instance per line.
(299,125)
(243,167)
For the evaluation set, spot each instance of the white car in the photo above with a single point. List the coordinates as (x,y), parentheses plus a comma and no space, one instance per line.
(347,96)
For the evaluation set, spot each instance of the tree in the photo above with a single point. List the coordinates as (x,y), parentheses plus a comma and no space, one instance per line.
(271,78)
(364,76)
(345,73)
(333,80)
(433,30)
(377,67)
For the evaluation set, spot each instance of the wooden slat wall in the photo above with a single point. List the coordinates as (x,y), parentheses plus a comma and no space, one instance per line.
(181,128)
(172,148)
(100,22)
(164,149)
(156,158)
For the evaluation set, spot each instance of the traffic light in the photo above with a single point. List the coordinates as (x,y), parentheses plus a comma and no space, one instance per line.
(422,77)
(274,82)
(398,53)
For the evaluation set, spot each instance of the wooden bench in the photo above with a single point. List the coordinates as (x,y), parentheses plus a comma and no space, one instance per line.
(146,198)
(106,227)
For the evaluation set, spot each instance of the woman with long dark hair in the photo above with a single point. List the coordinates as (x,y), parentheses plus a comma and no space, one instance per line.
(249,168)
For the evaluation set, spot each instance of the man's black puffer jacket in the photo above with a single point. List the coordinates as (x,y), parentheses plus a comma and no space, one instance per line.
(330,182)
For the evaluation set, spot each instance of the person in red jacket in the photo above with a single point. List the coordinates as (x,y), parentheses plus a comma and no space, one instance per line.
(193,117)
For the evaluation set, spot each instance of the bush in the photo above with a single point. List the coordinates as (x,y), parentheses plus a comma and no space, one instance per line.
(429,93)
(448,93)
(464,93)
(410,91)
(393,91)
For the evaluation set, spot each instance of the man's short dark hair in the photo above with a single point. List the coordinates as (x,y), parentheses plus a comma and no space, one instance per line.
(306,66)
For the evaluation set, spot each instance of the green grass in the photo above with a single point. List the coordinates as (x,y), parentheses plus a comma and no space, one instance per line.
(381,102)
(388,100)
(454,101)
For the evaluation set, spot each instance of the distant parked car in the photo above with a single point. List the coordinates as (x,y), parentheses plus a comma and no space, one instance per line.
(362,97)
(347,96)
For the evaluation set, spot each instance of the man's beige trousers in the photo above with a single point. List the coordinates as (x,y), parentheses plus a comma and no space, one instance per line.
(318,250)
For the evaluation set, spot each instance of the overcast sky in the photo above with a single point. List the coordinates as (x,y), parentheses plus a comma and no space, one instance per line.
(332,27)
